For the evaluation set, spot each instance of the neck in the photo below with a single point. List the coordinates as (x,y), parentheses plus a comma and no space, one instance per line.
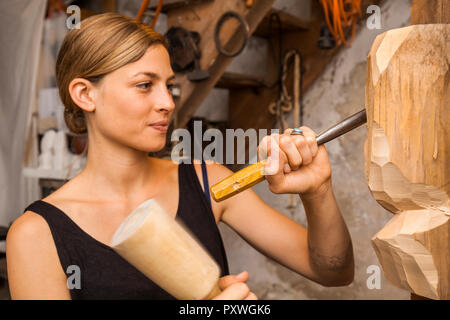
(115,171)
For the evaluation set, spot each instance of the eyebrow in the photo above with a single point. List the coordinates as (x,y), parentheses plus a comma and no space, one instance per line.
(153,75)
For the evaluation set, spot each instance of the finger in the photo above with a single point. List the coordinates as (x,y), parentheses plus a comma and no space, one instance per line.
(286,168)
(287,131)
(288,146)
(226,281)
(266,145)
(310,136)
(251,296)
(276,158)
(237,291)
(303,149)
(263,147)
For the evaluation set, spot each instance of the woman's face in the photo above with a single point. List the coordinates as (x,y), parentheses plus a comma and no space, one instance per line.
(134,103)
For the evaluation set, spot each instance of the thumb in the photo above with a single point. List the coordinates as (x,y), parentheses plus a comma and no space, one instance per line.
(227,281)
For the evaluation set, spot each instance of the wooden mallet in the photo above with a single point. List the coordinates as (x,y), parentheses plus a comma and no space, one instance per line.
(163,250)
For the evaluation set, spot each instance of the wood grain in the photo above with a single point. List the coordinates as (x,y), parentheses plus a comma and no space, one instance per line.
(430,11)
(407,154)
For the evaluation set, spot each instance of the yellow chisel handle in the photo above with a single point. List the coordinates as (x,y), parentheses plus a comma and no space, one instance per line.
(253,174)
(238,181)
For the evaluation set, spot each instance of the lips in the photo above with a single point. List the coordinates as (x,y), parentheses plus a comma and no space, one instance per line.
(161,126)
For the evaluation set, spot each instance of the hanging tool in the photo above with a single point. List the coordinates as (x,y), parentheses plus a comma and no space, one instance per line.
(326,40)
(253,174)
(185,53)
(245,29)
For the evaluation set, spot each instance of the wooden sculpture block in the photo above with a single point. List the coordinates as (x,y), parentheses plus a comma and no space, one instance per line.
(407,154)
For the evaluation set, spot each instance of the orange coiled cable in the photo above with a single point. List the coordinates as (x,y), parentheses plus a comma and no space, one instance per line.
(337,18)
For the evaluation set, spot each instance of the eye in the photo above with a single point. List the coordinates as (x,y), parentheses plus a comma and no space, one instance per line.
(144,85)
(171,87)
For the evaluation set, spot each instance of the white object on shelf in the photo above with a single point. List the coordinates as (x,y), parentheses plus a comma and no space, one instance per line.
(48,141)
(47,147)
(55,160)
(61,155)
(50,106)
(50,173)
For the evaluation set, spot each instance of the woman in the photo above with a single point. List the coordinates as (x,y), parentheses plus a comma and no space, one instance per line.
(114,78)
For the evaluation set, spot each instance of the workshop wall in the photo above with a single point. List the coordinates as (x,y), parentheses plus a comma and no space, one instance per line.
(338,93)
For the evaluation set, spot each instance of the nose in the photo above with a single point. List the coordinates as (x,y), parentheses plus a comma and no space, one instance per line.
(164,101)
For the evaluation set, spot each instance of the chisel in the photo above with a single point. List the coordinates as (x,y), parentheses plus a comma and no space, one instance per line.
(253,174)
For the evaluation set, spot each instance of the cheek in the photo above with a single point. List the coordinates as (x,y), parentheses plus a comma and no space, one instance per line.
(125,109)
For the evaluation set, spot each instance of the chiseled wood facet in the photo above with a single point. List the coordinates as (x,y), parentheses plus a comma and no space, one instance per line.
(407,154)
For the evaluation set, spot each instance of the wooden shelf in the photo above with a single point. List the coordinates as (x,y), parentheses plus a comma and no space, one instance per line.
(193,93)
(232,80)
(49,173)
(174,4)
(288,23)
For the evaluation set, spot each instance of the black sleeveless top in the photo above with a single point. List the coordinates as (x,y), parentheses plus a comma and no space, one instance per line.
(105,274)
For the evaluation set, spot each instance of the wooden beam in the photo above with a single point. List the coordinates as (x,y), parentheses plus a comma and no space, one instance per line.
(231,80)
(193,93)
(109,5)
(174,4)
(288,23)
(85,13)
(430,11)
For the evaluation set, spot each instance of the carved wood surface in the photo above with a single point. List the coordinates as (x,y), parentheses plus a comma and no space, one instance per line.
(407,154)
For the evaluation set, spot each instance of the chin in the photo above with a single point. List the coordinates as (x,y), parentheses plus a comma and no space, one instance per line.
(154,145)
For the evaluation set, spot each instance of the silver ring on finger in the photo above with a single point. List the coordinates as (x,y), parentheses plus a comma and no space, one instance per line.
(296,131)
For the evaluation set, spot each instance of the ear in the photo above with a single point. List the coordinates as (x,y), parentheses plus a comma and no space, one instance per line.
(82,92)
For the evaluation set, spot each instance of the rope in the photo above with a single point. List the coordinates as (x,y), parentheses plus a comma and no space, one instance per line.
(286,102)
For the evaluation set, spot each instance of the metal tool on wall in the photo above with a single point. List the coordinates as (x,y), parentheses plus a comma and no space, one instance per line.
(185,53)
(254,173)
(243,26)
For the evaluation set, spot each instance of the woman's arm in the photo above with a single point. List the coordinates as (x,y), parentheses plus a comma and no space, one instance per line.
(323,252)
(34,270)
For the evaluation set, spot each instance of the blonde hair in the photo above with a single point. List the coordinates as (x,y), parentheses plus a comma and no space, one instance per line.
(103,44)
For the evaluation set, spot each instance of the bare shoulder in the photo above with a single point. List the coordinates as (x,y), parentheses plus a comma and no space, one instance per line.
(28,228)
(34,270)
(29,236)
